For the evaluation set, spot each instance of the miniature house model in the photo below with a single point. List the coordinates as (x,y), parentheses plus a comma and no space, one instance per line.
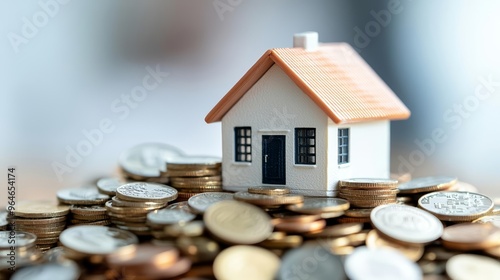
(306,117)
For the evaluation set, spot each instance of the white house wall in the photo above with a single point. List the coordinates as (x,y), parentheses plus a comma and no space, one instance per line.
(275,106)
(369,151)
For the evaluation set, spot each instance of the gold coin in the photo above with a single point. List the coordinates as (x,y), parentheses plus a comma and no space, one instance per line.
(268,200)
(427,184)
(138,204)
(269,190)
(343,220)
(363,192)
(40,209)
(237,222)
(38,221)
(284,217)
(87,210)
(128,210)
(317,205)
(469,236)
(301,227)
(192,173)
(342,250)
(215,178)
(198,249)
(412,251)
(246,263)
(358,212)
(90,218)
(337,230)
(286,242)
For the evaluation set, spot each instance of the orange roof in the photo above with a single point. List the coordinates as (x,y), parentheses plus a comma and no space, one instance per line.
(334,76)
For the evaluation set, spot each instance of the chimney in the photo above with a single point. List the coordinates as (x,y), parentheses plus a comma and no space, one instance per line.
(307,40)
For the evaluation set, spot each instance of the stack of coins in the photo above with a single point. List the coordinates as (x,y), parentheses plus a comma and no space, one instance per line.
(269,198)
(365,194)
(193,175)
(43,218)
(133,201)
(147,261)
(146,162)
(86,205)
(159,219)
(414,189)
(89,215)
(17,249)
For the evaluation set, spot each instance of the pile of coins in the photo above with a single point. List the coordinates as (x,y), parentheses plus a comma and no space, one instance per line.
(86,205)
(366,194)
(17,248)
(133,201)
(414,189)
(193,175)
(42,218)
(146,162)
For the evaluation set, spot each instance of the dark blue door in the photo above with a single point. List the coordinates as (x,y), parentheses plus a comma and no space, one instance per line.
(273,159)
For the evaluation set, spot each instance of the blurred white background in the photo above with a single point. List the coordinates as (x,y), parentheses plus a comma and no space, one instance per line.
(66,66)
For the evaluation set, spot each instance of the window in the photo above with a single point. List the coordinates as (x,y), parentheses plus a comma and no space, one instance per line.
(343,145)
(243,143)
(305,146)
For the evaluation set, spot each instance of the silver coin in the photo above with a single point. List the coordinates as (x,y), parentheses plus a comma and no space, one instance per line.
(82,195)
(16,239)
(110,184)
(312,205)
(493,219)
(425,184)
(406,223)
(383,264)
(200,202)
(311,261)
(169,216)
(198,160)
(451,206)
(181,205)
(67,270)
(96,240)
(140,191)
(148,159)
(468,266)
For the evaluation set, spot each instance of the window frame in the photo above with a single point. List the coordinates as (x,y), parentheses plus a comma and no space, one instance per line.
(243,133)
(343,146)
(302,138)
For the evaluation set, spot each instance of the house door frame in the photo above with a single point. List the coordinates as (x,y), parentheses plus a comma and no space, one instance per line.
(274,159)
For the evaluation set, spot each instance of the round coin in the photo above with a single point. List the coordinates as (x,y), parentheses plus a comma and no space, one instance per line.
(380,263)
(20,238)
(200,202)
(81,196)
(66,270)
(469,236)
(312,261)
(268,200)
(368,183)
(87,210)
(96,240)
(141,191)
(148,159)
(109,185)
(456,206)
(466,267)
(194,162)
(406,223)
(412,251)
(245,262)
(427,184)
(237,222)
(169,216)
(269,190)
(316,205)
(40,209)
